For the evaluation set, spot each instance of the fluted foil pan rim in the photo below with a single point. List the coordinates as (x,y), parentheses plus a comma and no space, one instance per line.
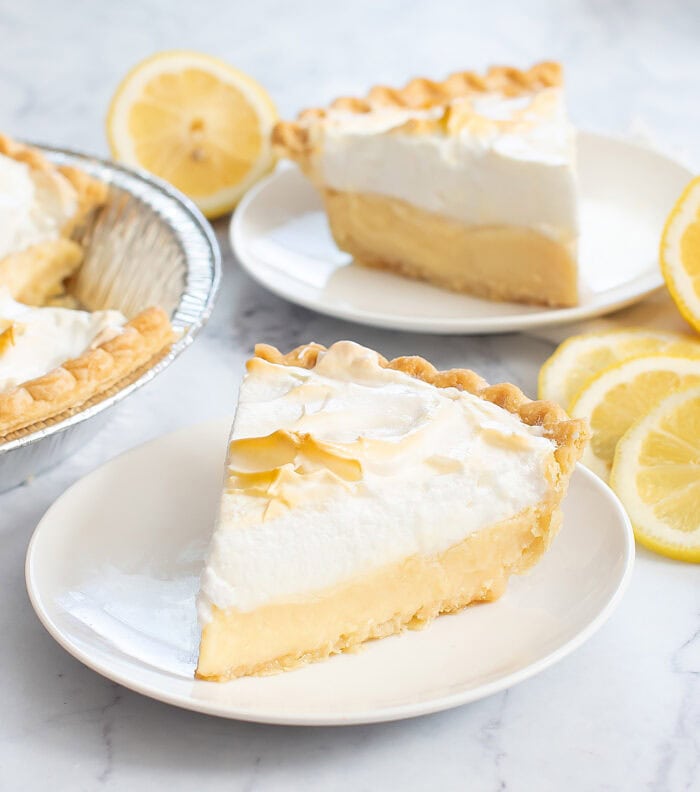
(196,303)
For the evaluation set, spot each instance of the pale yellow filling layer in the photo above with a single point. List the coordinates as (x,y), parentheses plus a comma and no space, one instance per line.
(499,263)
(284,635)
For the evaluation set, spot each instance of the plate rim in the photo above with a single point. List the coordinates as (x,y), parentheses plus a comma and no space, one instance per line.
(620,296)
(380,715)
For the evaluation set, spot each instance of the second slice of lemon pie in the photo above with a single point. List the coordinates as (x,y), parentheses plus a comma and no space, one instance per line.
(469,183)
(362,496)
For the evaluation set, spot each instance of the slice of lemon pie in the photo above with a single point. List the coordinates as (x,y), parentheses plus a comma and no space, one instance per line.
(468,183)
(363,496)
(41,205)
(54,361)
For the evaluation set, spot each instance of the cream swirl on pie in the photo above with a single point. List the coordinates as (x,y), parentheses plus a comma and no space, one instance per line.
(35,205)
(33,341)
(41,206)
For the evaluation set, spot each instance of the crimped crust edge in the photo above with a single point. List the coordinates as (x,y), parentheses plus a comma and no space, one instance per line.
(141,341)
(91,193)
(293,139)
(570,435)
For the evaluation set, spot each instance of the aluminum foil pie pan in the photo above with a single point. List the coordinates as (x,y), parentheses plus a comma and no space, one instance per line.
(149,245)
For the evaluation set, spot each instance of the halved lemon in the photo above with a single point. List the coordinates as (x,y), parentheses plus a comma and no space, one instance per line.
(680,253)
(656,474)
(618,396)
(581,357)
(196,122)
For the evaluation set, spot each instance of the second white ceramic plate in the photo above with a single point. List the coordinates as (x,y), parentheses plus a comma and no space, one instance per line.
(113,570)
(280,236)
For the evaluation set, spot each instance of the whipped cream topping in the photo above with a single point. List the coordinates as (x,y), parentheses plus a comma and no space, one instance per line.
(340,470)
(34,341)
(34,205)
(484,160)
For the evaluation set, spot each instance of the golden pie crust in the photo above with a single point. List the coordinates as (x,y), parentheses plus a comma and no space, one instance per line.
(87,379)
(569,434)
(294,139)
(37,274)
(285,635)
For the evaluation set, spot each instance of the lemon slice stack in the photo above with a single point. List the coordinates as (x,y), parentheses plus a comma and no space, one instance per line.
(640,391)
(618,381)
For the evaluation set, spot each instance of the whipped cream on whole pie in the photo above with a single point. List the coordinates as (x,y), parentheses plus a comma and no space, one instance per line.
(469,183)
(35,205)
(34,341)
(362,495)
(41,206)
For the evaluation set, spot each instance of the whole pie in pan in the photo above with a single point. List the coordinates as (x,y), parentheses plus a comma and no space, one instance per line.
(468,183)
(363,496)
(55,361)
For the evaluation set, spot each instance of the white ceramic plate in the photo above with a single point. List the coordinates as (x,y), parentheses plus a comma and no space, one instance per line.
(280,235)
(112,571)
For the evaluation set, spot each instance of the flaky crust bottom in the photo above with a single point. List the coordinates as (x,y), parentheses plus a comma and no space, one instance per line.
(86,379)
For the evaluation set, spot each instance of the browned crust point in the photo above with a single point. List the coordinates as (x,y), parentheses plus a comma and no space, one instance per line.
(91,193)
(292,138)
(22,153)
(142,340)
(569,434)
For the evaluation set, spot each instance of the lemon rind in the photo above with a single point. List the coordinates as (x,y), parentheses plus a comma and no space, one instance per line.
(122,148)
(622,482)
(672,270)
(593,462)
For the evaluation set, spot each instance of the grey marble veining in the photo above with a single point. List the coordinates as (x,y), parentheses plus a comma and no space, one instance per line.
(622,713)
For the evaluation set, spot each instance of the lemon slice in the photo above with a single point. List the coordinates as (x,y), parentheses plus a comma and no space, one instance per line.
(581,357)
(656,474)
(680,253)
(196,122)
(618,396)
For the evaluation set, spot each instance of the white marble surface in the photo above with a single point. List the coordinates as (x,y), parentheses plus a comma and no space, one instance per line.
(623,713)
